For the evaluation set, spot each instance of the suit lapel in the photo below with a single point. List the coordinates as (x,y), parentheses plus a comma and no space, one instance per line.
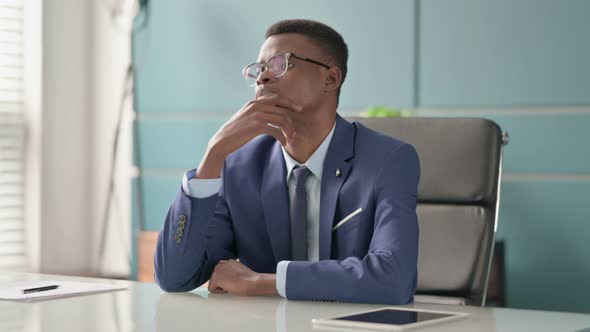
(340,151)
(275,202)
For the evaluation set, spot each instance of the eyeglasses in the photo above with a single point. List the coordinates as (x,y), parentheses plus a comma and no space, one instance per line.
(277,66)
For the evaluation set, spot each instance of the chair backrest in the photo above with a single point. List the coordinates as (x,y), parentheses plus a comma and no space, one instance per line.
(457,200)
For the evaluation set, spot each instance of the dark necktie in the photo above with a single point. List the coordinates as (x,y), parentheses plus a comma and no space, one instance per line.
(298,213)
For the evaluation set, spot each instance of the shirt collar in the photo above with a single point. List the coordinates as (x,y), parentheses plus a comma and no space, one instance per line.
(315,163)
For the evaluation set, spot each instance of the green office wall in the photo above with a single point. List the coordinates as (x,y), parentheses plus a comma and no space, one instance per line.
(191,53)
(504,53)
(523,64)
(545,226)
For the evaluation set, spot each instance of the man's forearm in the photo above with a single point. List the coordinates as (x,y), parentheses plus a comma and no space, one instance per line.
(211,164)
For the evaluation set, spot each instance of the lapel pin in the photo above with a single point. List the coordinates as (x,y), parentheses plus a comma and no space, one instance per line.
(337,171)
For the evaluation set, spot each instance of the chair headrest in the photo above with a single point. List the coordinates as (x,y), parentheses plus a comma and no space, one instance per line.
(459,157)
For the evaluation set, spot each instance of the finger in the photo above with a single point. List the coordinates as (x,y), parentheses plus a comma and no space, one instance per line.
(219,290)
(272,130)
(277,133)
(277,130)
(277,120)
(265,125)
(278,114)
(279,101)
(212,286)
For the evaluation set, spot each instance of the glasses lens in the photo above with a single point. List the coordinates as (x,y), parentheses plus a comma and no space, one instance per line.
(277,65)
(252,72)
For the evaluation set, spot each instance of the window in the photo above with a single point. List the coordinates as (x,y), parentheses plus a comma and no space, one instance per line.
(12,136)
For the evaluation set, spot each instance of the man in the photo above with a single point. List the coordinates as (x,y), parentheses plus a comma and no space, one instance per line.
(312,206)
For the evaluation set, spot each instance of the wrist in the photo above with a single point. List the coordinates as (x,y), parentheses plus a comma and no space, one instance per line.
(211,165)
(265,284)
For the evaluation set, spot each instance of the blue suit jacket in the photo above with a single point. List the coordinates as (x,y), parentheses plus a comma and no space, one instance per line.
(371,258)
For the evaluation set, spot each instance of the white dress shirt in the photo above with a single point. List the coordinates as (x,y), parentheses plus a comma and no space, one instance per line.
(201,188)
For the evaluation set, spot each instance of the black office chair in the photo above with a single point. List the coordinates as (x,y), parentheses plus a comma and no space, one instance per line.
(458,202)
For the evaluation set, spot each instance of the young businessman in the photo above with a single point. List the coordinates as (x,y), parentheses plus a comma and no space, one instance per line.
(314,207)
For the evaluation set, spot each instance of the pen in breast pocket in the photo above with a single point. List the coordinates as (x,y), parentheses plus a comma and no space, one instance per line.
(39,289)
(359,210)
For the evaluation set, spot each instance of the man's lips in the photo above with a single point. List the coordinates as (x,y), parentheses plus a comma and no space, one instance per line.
(264,91)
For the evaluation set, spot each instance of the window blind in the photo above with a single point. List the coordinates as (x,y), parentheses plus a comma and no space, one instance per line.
(12,136)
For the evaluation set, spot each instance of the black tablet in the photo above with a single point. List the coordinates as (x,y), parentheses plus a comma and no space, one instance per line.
(388,319)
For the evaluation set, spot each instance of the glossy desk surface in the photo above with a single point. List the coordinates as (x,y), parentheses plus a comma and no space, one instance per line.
(144,307)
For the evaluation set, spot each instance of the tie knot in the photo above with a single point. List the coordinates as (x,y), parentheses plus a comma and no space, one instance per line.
(300,174)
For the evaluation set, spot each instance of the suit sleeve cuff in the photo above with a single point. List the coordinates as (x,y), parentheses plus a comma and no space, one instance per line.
(282,278)
(200,188)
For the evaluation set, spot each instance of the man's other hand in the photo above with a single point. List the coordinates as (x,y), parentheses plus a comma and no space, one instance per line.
(236,278)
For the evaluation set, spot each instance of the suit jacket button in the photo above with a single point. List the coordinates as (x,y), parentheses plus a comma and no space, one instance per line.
(182,218)
(181,223)
(178,239)
(179,232)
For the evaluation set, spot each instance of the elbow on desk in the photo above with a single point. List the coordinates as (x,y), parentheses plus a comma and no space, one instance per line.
(164,284)
(170,273)
(397,291)
(174,279)
(168,280)
(171,286)
(390,286)
(391,295)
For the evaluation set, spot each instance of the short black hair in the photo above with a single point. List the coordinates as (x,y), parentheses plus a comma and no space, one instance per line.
(324,36)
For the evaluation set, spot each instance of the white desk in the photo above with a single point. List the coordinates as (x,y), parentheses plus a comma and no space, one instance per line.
(144,307)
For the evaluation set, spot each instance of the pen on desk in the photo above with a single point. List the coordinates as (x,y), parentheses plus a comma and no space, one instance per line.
(39,289)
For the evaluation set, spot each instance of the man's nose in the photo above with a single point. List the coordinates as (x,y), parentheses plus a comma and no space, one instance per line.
(264,78)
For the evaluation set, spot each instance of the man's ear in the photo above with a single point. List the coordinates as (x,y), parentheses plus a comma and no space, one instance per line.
(333,79)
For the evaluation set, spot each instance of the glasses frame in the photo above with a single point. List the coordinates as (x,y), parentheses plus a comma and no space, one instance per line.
(288,56)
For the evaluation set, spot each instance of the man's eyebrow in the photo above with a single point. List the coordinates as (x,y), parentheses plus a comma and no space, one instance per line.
(259,60)
(271,55)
